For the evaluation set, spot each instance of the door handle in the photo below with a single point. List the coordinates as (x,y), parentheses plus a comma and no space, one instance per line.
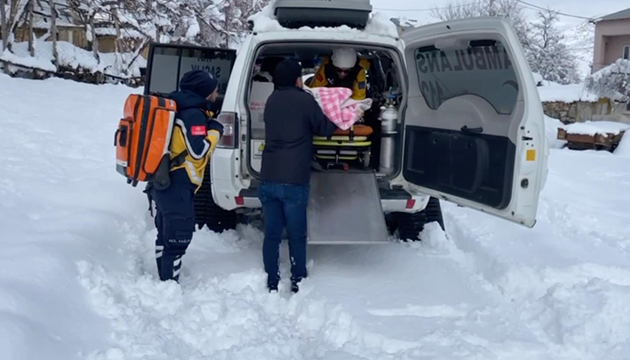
(477,130)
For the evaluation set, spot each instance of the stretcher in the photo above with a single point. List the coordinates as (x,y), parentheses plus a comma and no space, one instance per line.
(344,147)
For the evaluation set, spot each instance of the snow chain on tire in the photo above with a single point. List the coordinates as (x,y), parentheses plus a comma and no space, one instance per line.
(210,214)
(410,225)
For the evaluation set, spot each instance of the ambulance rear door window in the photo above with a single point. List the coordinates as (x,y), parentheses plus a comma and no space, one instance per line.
(484,68)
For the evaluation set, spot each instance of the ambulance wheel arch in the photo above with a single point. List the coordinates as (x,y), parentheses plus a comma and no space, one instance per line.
(474,131)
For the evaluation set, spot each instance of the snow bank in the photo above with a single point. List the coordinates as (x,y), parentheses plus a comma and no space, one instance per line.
(597,127)
(378,24)
(37,62)
(125,33)
(565,93)
(61,202)
(623,149)
(551,129)
(73,57)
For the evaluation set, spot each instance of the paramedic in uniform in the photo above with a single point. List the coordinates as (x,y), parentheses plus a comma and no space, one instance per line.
(197,134)
(292,117)
(343,69)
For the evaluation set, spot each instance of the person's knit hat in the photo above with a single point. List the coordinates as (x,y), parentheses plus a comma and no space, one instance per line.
(287,72)
(200,82)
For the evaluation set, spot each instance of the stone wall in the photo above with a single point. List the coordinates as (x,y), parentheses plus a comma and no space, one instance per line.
(570,112)
(580,111)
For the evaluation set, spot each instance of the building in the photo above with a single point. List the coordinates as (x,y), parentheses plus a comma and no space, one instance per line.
(612,39)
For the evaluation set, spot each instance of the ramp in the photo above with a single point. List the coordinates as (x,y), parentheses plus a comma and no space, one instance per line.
(345,208)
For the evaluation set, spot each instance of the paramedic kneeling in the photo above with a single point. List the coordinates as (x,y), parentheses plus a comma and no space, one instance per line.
(292,117)
(197,135)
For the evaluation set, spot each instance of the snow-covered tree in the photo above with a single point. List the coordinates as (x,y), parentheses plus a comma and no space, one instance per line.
(222,23)
(580,40)
(612,81)
(549,54)
(510,9)
(17,16)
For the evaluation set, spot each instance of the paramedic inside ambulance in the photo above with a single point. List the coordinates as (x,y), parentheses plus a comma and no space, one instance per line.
(343,69)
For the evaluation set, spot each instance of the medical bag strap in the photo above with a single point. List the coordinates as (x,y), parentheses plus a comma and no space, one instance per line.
(147,190)
(179,159)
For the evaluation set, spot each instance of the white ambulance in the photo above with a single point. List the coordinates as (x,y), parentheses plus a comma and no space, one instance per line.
(456,116)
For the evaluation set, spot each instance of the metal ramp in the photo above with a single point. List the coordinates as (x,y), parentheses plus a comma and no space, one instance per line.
(345,208)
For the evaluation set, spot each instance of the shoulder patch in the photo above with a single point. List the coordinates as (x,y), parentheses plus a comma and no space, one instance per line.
(361,84)
(320,77)
(198,130)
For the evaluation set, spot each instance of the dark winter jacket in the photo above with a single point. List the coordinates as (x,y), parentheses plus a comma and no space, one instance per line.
(194,131)
(292,117)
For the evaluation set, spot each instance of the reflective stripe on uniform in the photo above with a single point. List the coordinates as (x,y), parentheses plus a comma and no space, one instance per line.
(193,154)
(192,172)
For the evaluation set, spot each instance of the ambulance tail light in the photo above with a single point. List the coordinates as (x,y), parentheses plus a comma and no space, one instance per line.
(410,203)
(230,133)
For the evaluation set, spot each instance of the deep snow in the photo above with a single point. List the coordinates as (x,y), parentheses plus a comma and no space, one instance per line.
(551,92)
(78,278)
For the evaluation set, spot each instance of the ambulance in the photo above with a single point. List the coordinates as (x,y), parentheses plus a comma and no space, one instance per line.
(455,117)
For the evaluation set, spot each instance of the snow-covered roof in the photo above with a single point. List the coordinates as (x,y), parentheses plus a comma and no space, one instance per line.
(619,15)
(378,24)
(125,33)
(70,56)
(596,127)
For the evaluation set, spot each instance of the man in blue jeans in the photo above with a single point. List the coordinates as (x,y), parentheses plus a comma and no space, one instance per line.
(292,117)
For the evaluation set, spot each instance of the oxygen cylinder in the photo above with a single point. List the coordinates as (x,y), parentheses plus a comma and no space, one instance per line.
(389,127)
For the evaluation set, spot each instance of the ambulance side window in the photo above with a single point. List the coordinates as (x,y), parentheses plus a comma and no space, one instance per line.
(168,64)
(483,69)
(164,70)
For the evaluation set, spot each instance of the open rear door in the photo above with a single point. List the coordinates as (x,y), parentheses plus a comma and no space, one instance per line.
(474,125)
(167,64)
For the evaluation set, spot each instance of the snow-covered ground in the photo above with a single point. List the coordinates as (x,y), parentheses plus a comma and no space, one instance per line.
(78,278)
(551,92)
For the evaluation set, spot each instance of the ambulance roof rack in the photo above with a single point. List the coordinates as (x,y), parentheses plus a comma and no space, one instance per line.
(322,13)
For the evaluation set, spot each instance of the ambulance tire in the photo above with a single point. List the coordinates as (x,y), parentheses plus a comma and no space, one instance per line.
(208,213)
(410,225)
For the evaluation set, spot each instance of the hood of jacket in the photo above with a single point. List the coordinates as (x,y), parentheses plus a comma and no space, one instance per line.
(187,99)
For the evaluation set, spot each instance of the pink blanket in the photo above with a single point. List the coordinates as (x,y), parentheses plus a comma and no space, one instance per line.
(338,106)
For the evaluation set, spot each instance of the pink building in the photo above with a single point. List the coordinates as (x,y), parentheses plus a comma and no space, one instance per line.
(612,39)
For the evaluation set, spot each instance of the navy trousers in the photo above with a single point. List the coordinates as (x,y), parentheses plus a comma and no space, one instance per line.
(284,205)
(175,223)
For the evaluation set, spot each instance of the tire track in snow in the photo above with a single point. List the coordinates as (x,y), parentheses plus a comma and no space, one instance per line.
(576,311)
(221,317)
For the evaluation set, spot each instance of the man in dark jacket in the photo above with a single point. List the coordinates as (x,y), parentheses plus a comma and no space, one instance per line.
(194,138)
(292,117)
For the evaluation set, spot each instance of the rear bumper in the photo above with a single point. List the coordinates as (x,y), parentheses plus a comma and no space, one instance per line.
(392,200)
